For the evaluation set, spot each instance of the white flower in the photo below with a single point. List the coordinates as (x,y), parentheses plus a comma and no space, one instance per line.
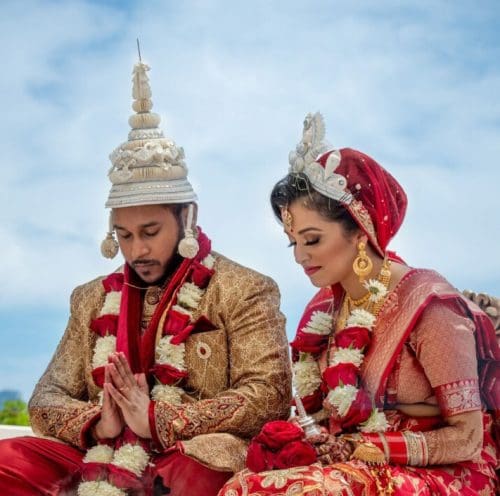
(208,261)
(112,303)
(170,354)
(376,422)
(377,289)
(360,318)
(189,295)
(99,488)
(306,377)
(131,457)
(320,323)
(347,355)
(180,309)
(342,397)
(170,394)
(99,454)
(103,347)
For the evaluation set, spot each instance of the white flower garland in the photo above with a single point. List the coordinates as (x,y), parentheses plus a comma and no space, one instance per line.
(100,488)
(104,346)
(320,323)
(361,318)
(347,355)
(133,457)
(307,374)
(112,303)
(99,454)
(170,354)
(377,422)
(377,289)
(188,299)
(342,397)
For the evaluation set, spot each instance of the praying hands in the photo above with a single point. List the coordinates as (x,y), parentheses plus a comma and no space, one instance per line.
(125,401)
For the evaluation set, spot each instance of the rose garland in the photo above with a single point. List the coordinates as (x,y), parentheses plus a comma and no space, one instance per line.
(340,382)
(125,463)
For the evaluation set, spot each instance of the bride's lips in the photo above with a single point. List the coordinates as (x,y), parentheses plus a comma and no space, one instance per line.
(311,270)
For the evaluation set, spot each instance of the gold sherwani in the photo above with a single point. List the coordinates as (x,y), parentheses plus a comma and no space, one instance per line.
(239,374)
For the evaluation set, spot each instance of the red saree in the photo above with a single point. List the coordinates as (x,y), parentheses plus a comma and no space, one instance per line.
(422,351)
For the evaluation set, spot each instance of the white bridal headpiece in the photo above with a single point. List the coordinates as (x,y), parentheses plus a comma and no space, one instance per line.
(304,160)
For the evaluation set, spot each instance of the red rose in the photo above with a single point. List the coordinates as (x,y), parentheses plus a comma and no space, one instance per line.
(355,337)
(295,454)
(175,322)
(309,343)
(201,275)
(114,282)
(106,324)
(359,411)
(259,458)
(312,402)
(276,434)
(98,376)
(347,373)
(167,374)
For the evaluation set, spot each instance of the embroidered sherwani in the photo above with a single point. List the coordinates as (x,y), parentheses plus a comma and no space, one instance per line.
(238,372)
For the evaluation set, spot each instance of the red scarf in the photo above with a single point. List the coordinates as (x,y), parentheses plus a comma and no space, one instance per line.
(140,350)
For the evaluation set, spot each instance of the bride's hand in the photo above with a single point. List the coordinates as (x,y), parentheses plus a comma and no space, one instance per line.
(334,449)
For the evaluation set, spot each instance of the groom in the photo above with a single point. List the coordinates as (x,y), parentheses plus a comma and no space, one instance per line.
(168,365)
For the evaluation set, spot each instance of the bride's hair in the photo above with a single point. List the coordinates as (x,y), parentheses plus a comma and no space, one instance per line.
(296,186)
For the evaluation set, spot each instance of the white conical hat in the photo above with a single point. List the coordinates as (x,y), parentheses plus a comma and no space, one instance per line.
(148,168)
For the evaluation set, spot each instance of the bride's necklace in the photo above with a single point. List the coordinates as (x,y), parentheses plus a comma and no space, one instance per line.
(369,301)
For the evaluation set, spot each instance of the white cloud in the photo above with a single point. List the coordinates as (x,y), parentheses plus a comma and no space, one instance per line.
(416,86)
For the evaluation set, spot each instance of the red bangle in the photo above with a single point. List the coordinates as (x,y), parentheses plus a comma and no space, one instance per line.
(393,444)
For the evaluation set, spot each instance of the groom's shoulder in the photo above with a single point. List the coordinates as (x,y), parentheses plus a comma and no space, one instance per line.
(90,291)
(229,271)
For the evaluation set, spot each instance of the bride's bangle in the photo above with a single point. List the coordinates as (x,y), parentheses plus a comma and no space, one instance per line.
(402,448)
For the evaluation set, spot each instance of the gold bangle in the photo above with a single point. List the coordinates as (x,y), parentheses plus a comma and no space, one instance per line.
(367,452)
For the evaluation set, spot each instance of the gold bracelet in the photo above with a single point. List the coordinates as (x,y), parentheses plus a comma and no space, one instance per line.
(417,448)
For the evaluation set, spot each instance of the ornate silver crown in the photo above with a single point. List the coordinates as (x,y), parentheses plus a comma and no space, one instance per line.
(303,159)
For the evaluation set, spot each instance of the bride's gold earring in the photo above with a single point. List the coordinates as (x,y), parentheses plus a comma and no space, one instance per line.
(362,265)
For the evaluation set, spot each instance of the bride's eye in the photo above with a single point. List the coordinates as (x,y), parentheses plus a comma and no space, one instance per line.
(312,242)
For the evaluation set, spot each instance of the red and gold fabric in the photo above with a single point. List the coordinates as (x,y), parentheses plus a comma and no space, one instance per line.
(236,356)
(433,357)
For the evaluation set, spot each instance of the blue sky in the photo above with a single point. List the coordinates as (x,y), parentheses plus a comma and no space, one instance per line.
(414,84)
